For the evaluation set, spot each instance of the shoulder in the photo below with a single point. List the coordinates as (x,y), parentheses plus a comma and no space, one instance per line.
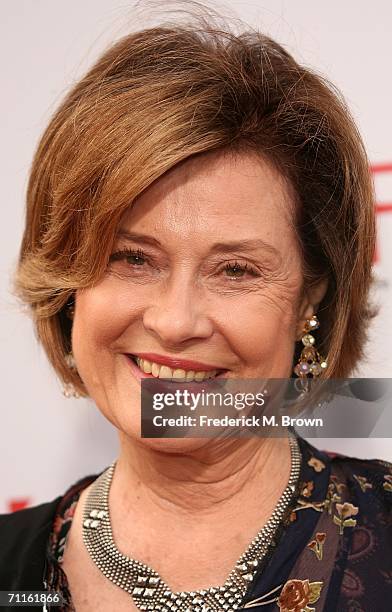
(360,493)
(18,526)
(23,523)
(27,516)
(367,483)
(24,537)
(365,475)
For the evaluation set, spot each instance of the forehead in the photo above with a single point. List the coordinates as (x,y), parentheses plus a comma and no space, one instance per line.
(231,195)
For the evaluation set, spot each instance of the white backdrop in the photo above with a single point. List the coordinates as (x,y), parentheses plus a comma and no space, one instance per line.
(47,441)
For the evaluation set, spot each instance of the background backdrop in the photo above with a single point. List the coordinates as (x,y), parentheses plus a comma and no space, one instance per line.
(47,441)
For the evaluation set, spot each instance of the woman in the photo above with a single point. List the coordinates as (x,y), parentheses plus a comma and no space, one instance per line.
(197,206)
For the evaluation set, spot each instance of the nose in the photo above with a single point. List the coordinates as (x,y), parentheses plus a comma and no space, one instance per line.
(177,314)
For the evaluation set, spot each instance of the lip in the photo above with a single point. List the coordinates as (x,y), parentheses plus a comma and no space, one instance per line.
(166,386)
(162,385)
(177,363)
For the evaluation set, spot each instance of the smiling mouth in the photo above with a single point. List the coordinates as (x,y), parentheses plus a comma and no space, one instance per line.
(158,370)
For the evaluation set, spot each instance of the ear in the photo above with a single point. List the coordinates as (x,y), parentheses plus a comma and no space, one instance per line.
(309,304)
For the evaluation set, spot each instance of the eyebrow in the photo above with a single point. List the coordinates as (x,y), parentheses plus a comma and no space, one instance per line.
(135,237)
(248,246)
(245,245)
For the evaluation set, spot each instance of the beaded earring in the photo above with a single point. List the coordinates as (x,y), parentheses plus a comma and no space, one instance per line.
(68,388)
(70,391)
(310,362)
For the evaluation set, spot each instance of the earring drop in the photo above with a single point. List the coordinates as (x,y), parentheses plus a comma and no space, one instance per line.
(68,388)
(70,361)
(70,391)
(310,362)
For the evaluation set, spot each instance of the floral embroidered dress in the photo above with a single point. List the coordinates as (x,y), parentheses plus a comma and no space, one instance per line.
(333,551)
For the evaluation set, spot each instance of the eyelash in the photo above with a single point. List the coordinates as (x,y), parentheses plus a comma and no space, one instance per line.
(123,254)
(244,267)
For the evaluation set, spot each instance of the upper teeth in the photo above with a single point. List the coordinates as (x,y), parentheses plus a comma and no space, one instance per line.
(163,371)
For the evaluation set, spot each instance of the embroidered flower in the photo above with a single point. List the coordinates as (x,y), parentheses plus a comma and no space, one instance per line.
(297,594)
(317,544)
(345,512)
(363,482)
(320,537)
(346,509)
(333,494)
(316,464)
(387,485)
(307,488)
(294,596)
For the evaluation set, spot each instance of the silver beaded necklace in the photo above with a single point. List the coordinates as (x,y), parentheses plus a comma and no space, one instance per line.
(146,587)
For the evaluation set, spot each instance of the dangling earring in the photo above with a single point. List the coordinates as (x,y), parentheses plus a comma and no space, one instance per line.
(68,388)
(310,362)
(70,361)
(70,391)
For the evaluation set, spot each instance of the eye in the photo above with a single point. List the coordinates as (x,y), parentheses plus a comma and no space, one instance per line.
(235,270)
(238,270)
(130,256)
(136,258)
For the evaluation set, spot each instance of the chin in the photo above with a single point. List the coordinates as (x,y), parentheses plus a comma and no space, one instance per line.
(176,446)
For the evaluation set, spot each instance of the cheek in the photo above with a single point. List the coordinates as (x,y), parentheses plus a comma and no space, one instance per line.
(267,336)
(102,314)
(262,328)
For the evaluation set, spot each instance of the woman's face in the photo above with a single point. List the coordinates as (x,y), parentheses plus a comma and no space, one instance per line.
(206,268)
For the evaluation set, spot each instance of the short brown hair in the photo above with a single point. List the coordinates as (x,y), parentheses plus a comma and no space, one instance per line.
(164,94)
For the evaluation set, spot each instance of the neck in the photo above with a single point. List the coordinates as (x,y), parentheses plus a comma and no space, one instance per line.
(220,475)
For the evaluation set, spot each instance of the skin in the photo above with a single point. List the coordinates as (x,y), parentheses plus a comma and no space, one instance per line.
(183,300)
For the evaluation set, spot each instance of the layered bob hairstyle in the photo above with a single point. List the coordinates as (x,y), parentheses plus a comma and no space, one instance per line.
(160,96)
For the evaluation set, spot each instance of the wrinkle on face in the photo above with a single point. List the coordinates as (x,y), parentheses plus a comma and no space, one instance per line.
(184,223)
